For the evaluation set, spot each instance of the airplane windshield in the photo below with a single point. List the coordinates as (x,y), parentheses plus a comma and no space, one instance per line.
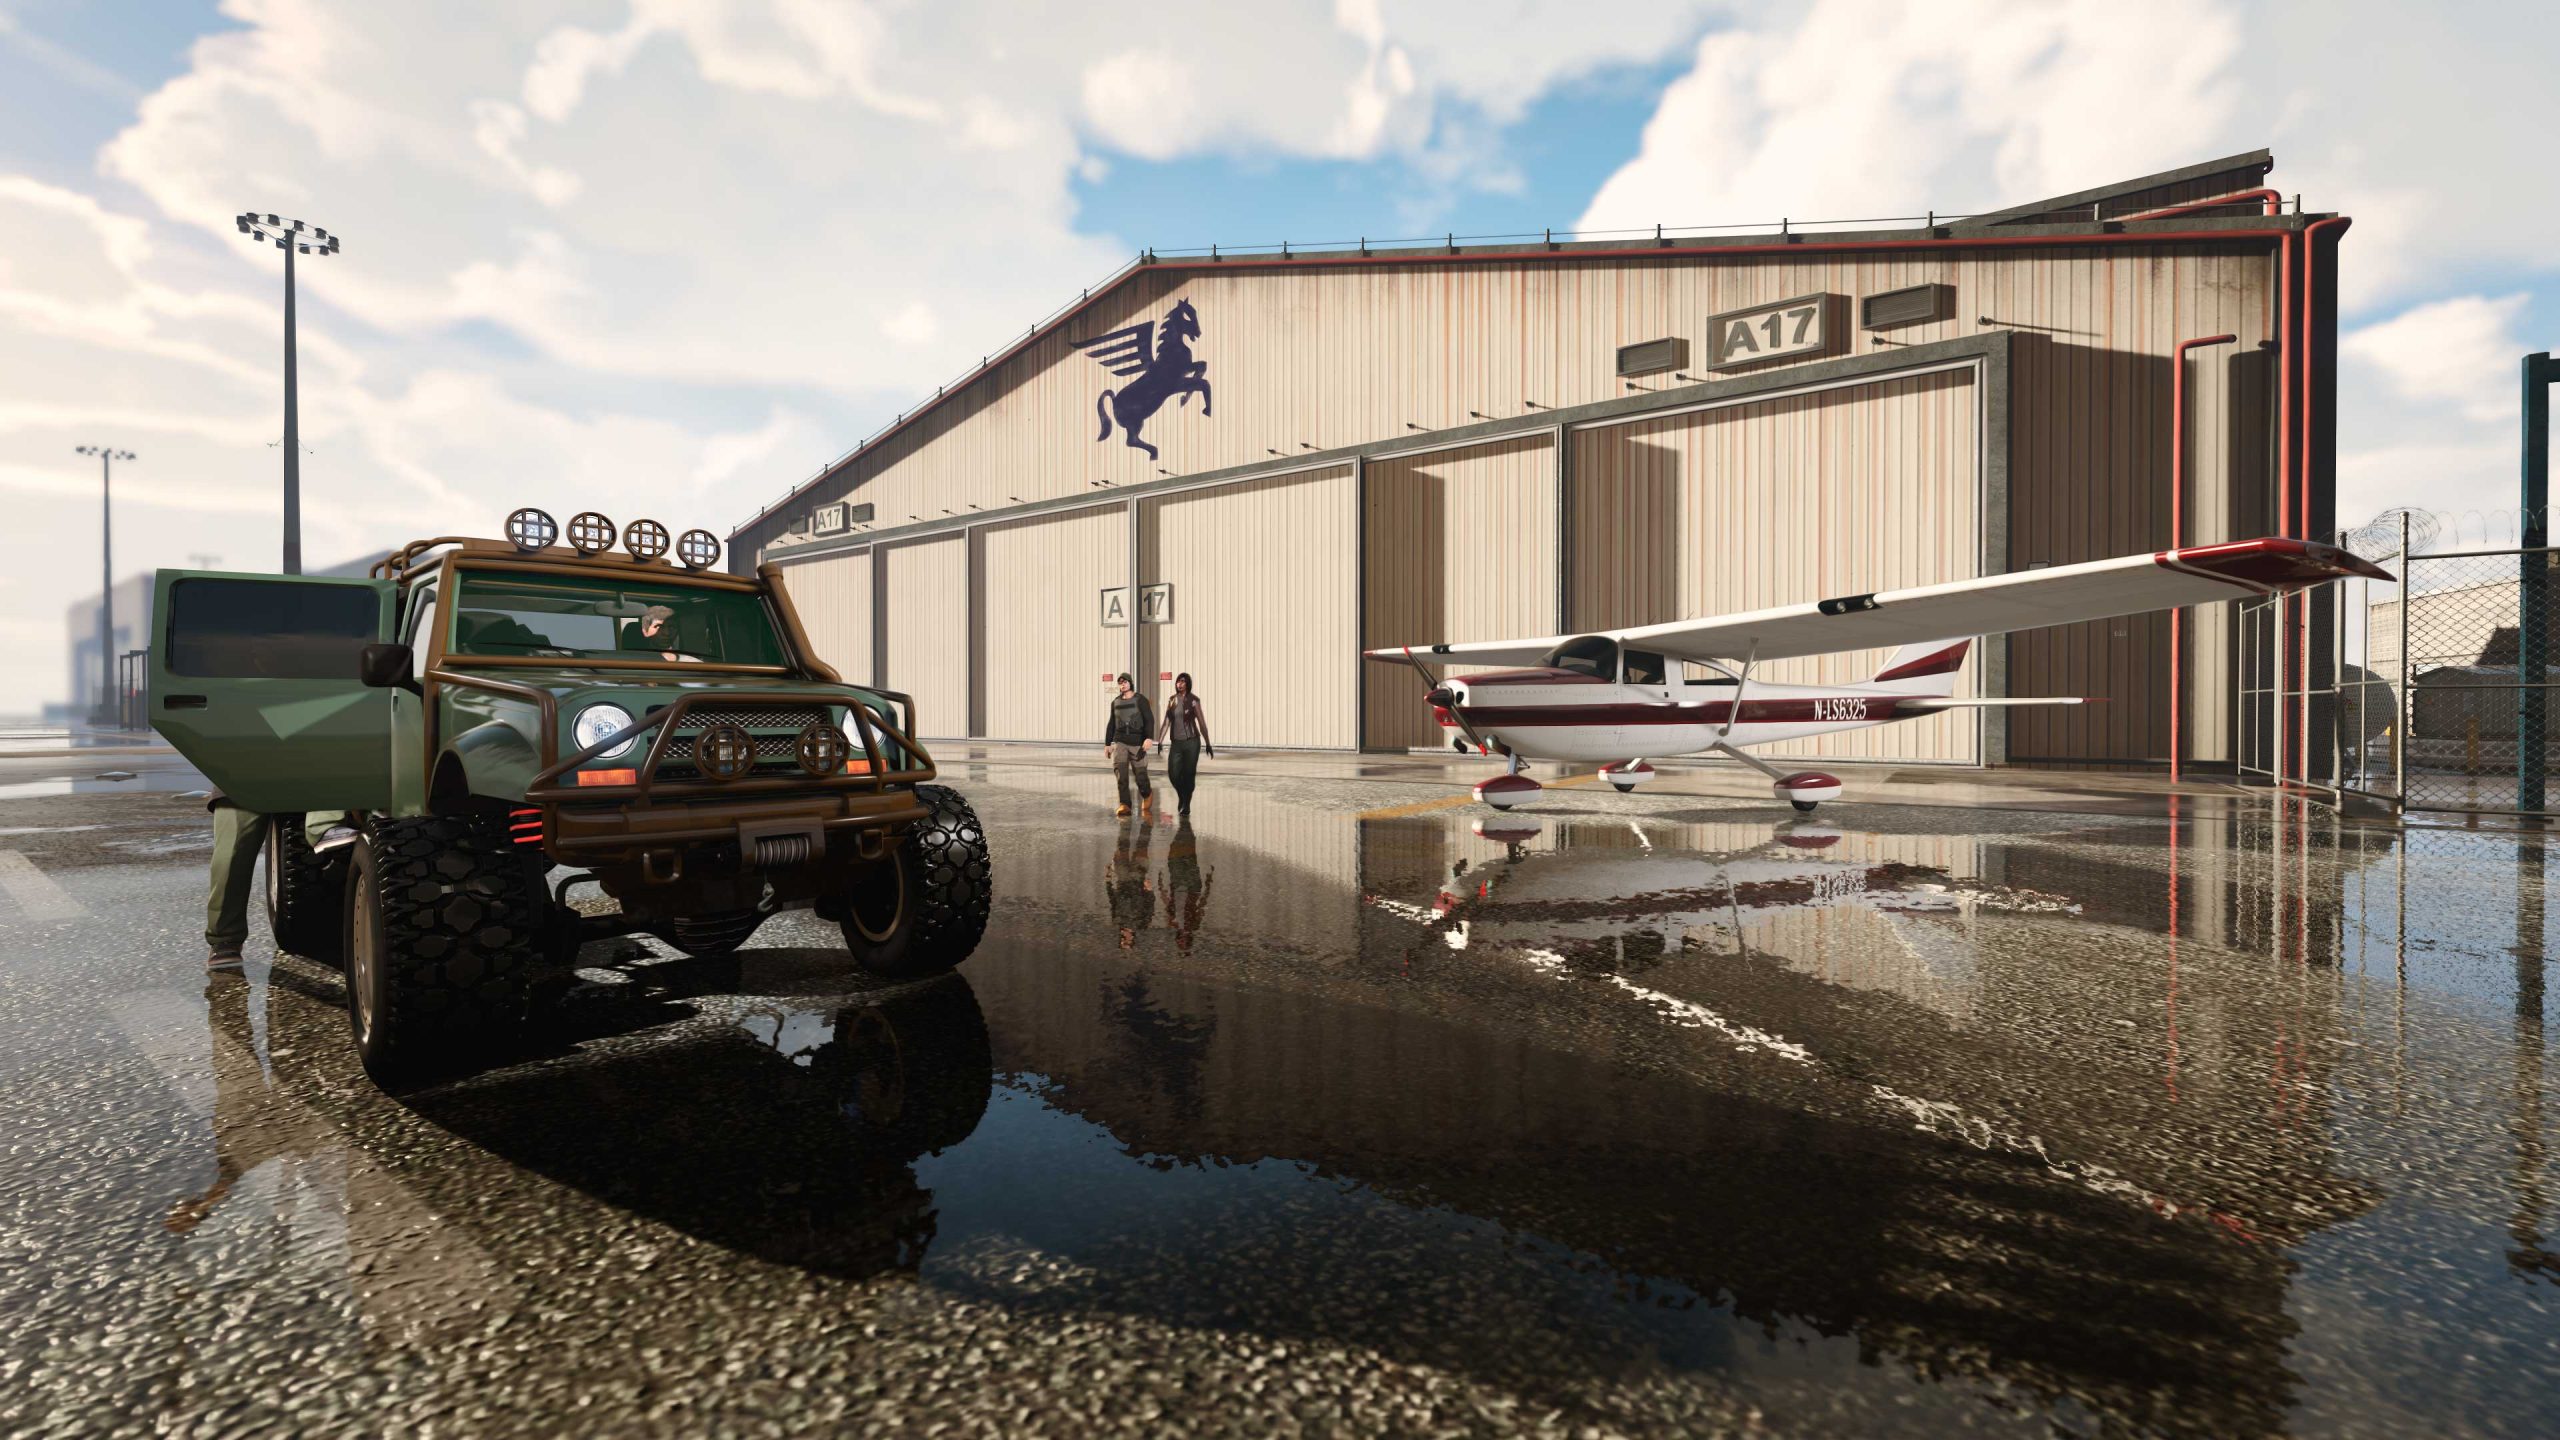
(1592,655)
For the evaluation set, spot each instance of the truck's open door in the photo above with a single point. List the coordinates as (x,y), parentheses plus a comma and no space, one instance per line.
(254,680)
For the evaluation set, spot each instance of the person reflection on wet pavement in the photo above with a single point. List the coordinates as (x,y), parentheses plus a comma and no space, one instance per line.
(1186,887)
(1127,886)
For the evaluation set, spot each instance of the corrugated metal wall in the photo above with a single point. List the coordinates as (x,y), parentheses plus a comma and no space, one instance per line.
(1461,545)
(1330,357)
(833,597)
(1041,641)
(1266,600)
(1839,492)
(924,637)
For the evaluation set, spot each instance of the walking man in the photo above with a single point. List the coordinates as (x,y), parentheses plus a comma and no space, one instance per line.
(1125,737)
(1185,732)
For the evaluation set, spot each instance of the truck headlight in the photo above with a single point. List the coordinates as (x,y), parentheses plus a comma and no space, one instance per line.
(596,722)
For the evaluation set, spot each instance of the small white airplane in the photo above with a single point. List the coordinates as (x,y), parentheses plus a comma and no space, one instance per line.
(1620,696)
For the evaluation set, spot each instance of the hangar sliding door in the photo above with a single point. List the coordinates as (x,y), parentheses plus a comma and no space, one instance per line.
(1261,608)
(924,635)
(1044,656)
(833,597)
(1776,502)
(1461,545)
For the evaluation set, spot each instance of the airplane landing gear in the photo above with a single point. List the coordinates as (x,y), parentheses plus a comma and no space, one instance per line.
(1806,789)
(1627,775)
(1504,791)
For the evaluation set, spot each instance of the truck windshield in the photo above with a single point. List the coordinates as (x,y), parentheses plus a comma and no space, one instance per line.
(607,618)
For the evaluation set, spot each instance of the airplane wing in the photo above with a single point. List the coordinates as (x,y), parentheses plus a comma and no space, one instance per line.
(1992,605)
(1124,351)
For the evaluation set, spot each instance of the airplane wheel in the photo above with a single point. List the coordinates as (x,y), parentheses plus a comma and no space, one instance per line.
(1806,806)
(1504,791)
(1623,789)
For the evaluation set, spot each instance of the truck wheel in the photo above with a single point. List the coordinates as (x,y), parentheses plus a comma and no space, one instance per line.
(303,890)
(915,1070)
(921,909)
(445,929)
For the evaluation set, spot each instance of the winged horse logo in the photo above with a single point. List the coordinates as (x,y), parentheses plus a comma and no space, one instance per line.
(1161,359)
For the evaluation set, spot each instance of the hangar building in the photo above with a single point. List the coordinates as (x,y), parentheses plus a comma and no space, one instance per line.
(1271,459)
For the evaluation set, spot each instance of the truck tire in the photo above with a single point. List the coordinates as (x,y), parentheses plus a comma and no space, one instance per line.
(445,931)
(914,1071)
(922,909)
(303,893)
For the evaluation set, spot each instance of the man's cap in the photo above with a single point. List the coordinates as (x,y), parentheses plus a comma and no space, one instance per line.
(1124,677)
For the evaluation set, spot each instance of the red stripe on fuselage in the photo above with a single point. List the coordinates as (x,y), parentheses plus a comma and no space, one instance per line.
(1850,709)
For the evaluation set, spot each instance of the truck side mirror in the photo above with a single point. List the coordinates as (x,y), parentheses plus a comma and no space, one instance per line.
(385,667)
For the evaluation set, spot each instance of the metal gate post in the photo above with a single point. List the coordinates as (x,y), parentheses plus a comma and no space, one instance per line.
(2406,706)
(2533,571)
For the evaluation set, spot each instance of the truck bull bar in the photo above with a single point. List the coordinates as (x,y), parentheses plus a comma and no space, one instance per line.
(578,821)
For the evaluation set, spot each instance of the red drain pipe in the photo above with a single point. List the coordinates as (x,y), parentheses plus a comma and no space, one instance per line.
(2178,521)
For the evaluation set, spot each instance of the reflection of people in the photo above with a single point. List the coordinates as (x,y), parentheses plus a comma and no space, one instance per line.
(1125,738)
(1125,885)
(1186,731)
(657,628)
(1186,891)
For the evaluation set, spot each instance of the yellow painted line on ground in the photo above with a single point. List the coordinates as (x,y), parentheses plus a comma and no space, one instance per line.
(1424,807)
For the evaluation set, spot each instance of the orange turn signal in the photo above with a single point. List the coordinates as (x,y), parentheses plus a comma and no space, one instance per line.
(608,777)
(857,767)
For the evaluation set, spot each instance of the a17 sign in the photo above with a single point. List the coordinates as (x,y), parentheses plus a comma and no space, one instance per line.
(1769,332)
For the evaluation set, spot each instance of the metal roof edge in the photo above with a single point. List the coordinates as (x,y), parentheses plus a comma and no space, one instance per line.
(2262,159)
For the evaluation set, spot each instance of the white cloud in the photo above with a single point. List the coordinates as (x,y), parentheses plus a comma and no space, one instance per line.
(1857,108)
(913,324)
(2459,352)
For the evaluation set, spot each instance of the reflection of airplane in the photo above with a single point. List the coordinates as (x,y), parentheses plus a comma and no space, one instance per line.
(1618,695)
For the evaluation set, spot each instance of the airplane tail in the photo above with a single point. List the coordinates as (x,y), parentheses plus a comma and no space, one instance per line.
(1927,668)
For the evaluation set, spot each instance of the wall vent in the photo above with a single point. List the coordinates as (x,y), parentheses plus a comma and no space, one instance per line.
(861,515)
(1653,356)
(1915,305)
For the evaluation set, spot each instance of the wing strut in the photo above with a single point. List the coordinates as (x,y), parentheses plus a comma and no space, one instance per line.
(1431,694)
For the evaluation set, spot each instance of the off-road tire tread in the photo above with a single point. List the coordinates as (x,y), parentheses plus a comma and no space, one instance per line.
(463,930)
(303,912)
(952,876)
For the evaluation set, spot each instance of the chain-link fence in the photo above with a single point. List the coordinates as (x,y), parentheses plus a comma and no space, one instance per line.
(2432,692)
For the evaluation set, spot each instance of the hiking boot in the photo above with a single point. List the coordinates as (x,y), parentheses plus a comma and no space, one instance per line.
(1123,810)
(1147,808)
(223,960)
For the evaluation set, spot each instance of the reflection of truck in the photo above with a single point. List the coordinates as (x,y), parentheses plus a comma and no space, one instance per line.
(492,709)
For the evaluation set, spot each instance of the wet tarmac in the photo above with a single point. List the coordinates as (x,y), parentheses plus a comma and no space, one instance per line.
(1343,1110)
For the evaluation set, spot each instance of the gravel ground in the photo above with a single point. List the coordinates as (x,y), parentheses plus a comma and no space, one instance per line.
(1667,1116)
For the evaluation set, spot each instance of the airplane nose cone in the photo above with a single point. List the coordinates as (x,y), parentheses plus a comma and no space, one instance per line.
(1444,697)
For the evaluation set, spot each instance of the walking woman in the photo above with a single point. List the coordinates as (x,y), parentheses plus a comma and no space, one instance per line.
(1185,733)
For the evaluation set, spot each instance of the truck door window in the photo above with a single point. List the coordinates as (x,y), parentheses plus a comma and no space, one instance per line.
(261,630)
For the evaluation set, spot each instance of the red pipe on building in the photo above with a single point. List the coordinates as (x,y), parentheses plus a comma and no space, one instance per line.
(2273,202)
(2178,531)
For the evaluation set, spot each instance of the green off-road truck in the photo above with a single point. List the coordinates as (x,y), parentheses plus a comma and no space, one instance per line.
(491,712)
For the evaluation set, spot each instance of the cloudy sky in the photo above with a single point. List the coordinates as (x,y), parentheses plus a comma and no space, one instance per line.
(680,252)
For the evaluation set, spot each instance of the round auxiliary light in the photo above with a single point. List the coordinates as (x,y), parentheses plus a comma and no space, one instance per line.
(590,533)
(645,539)
(698,549)
(532,529)
(822,749)
(598,721)
(724,752)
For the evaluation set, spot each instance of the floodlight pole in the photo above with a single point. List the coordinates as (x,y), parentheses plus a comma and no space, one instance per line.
(107,456)
(290,236)
(2533,585)
(292,434)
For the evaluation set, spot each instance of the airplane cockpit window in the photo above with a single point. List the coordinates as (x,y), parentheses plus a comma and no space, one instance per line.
(1645,668)
(1592,655)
